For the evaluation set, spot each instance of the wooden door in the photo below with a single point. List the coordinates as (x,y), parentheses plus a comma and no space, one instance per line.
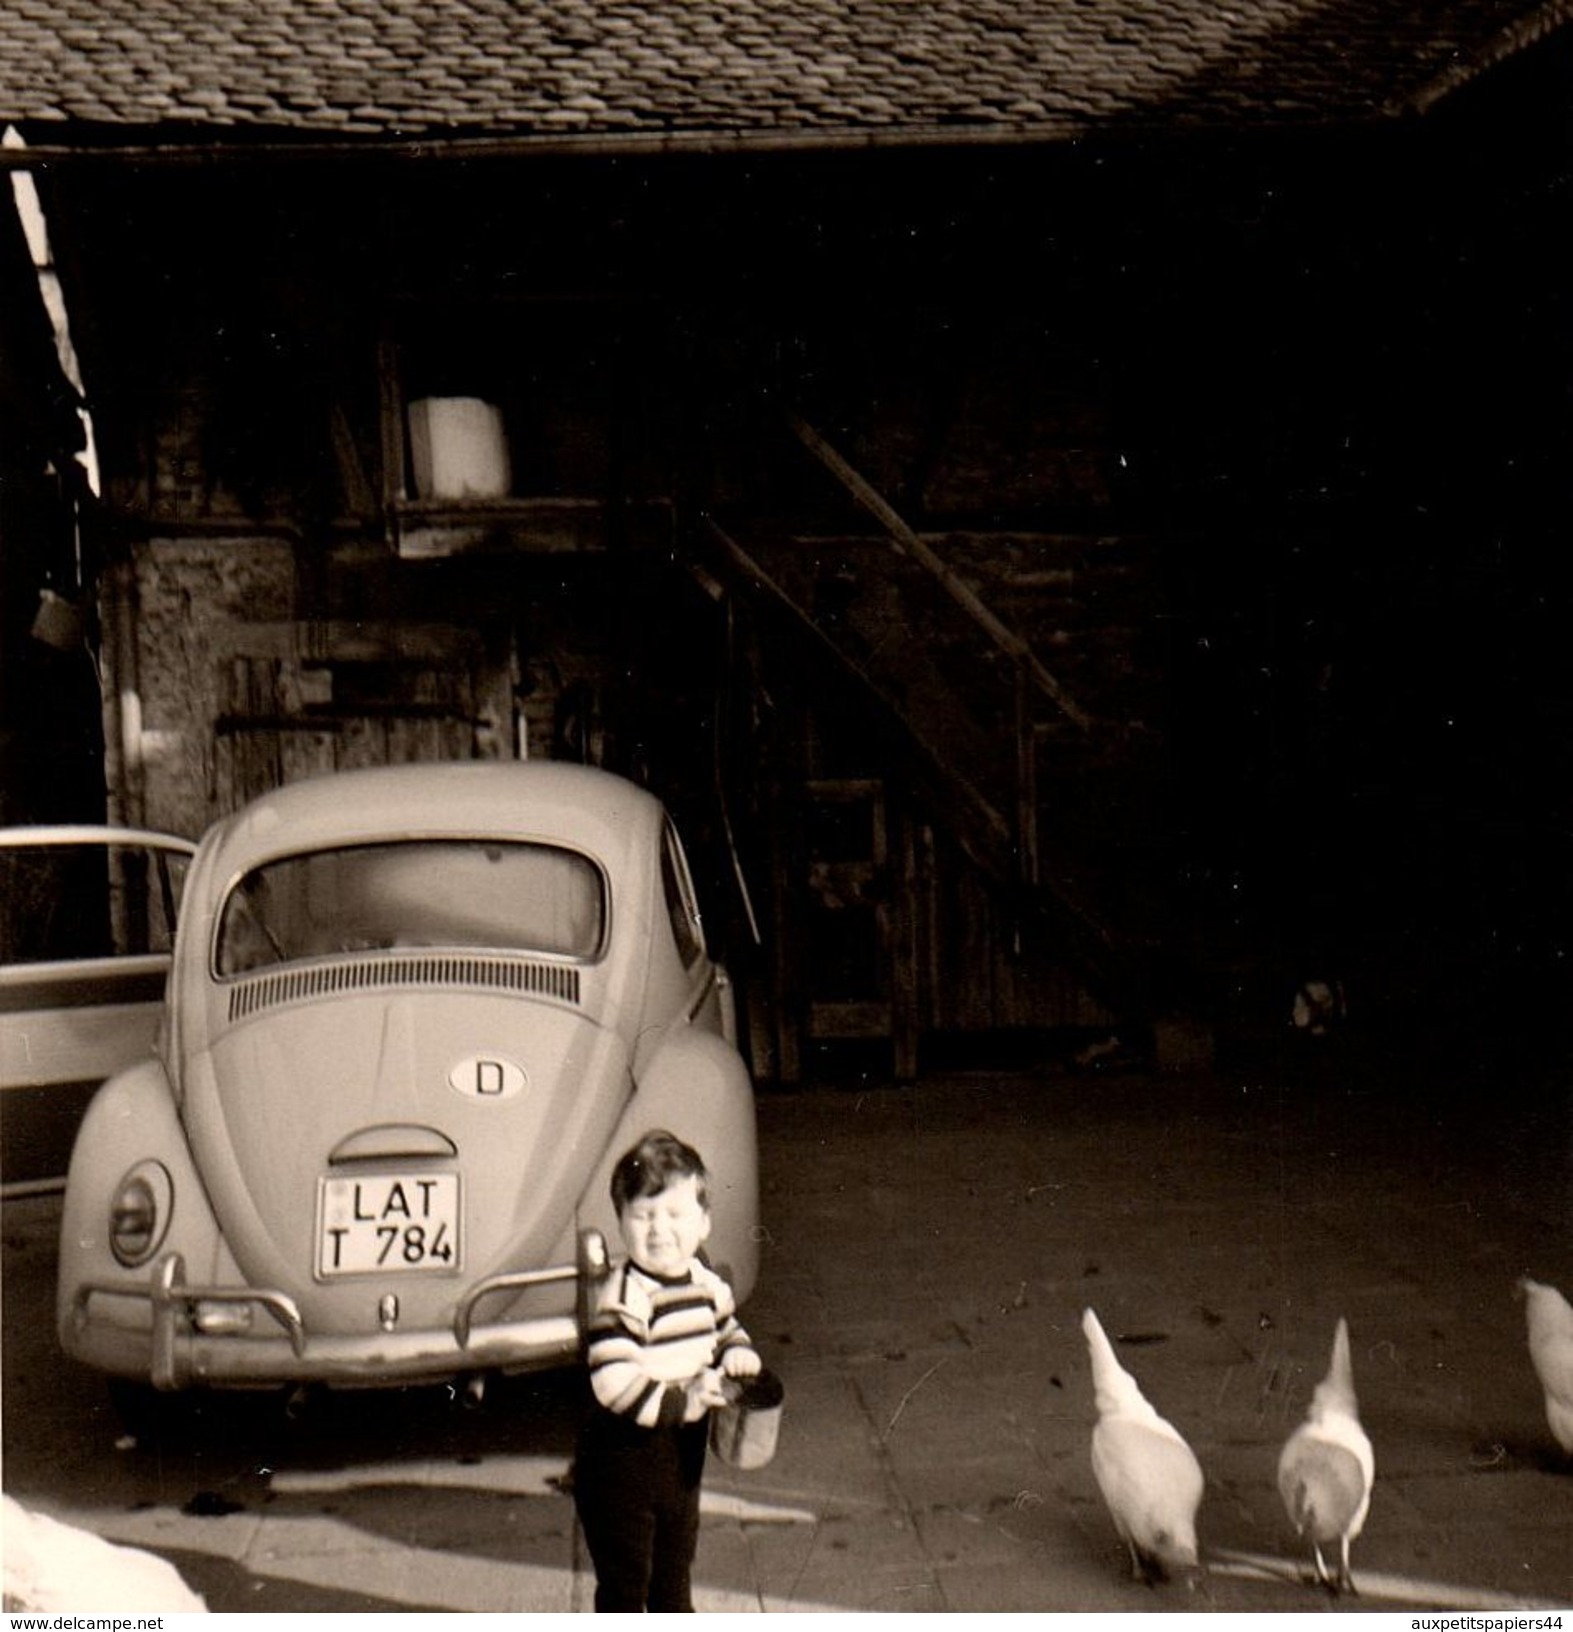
(302,699)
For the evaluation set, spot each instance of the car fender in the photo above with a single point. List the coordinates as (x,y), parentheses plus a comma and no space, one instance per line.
(695,1085)
(132,1118)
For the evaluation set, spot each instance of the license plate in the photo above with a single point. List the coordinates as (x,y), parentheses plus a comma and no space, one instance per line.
(387,1222)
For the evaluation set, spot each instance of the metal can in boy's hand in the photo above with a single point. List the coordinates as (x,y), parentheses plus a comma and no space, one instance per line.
(743,1432)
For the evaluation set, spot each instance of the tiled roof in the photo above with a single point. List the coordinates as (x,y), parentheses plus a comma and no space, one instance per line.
(773,70)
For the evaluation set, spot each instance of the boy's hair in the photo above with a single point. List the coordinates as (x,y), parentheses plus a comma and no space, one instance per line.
(652,1164)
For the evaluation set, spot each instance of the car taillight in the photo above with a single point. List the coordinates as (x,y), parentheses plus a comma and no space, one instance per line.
(139,1213)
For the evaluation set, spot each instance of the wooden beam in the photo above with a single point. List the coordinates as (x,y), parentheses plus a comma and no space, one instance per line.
(342,641)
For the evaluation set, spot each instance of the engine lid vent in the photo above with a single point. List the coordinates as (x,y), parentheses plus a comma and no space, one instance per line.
(266,991)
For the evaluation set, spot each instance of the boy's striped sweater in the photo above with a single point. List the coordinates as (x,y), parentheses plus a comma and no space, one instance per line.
(650,1335)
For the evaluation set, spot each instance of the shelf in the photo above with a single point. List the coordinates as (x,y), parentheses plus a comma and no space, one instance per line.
(430,530)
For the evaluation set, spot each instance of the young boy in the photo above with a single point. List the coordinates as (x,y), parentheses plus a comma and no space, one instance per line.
(664,1332)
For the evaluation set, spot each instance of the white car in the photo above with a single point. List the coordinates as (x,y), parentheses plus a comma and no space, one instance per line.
(87,920)
(415,1016)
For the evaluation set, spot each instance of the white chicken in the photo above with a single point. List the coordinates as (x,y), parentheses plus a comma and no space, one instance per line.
(1550,1319)
(1327,1468)
(1148,1476)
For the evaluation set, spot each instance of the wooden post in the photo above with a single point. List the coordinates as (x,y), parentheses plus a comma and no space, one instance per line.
(786,873)
(1026,782)
(906,1013)
(390,415)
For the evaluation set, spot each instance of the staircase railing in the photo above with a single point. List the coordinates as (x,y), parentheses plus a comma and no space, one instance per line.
(907,540)
(983,829)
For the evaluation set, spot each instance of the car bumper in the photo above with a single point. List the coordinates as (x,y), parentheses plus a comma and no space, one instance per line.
(175,1351)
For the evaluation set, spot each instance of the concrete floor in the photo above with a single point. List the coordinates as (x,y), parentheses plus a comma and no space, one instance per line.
(927,1257)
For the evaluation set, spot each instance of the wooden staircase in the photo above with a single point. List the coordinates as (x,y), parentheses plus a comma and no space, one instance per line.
(1045,773)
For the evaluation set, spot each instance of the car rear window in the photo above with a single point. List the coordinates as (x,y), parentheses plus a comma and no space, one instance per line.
(449,893)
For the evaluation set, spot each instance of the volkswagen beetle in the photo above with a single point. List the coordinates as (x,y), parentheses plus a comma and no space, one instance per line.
(414,1016)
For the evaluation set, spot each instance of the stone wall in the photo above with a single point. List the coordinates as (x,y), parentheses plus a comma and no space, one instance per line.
(164,676)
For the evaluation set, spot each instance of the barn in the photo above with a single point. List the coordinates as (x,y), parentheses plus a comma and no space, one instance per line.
(1066,500)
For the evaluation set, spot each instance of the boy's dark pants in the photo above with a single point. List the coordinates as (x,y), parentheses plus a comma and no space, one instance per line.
(637,1492)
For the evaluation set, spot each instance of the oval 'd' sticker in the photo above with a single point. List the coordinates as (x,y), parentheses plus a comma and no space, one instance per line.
(485,1076)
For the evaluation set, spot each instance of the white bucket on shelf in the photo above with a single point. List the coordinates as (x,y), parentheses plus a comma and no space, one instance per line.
(458,449)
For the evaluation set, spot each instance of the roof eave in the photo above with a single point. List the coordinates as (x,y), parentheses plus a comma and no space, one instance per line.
(106,144)
(1528,31)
